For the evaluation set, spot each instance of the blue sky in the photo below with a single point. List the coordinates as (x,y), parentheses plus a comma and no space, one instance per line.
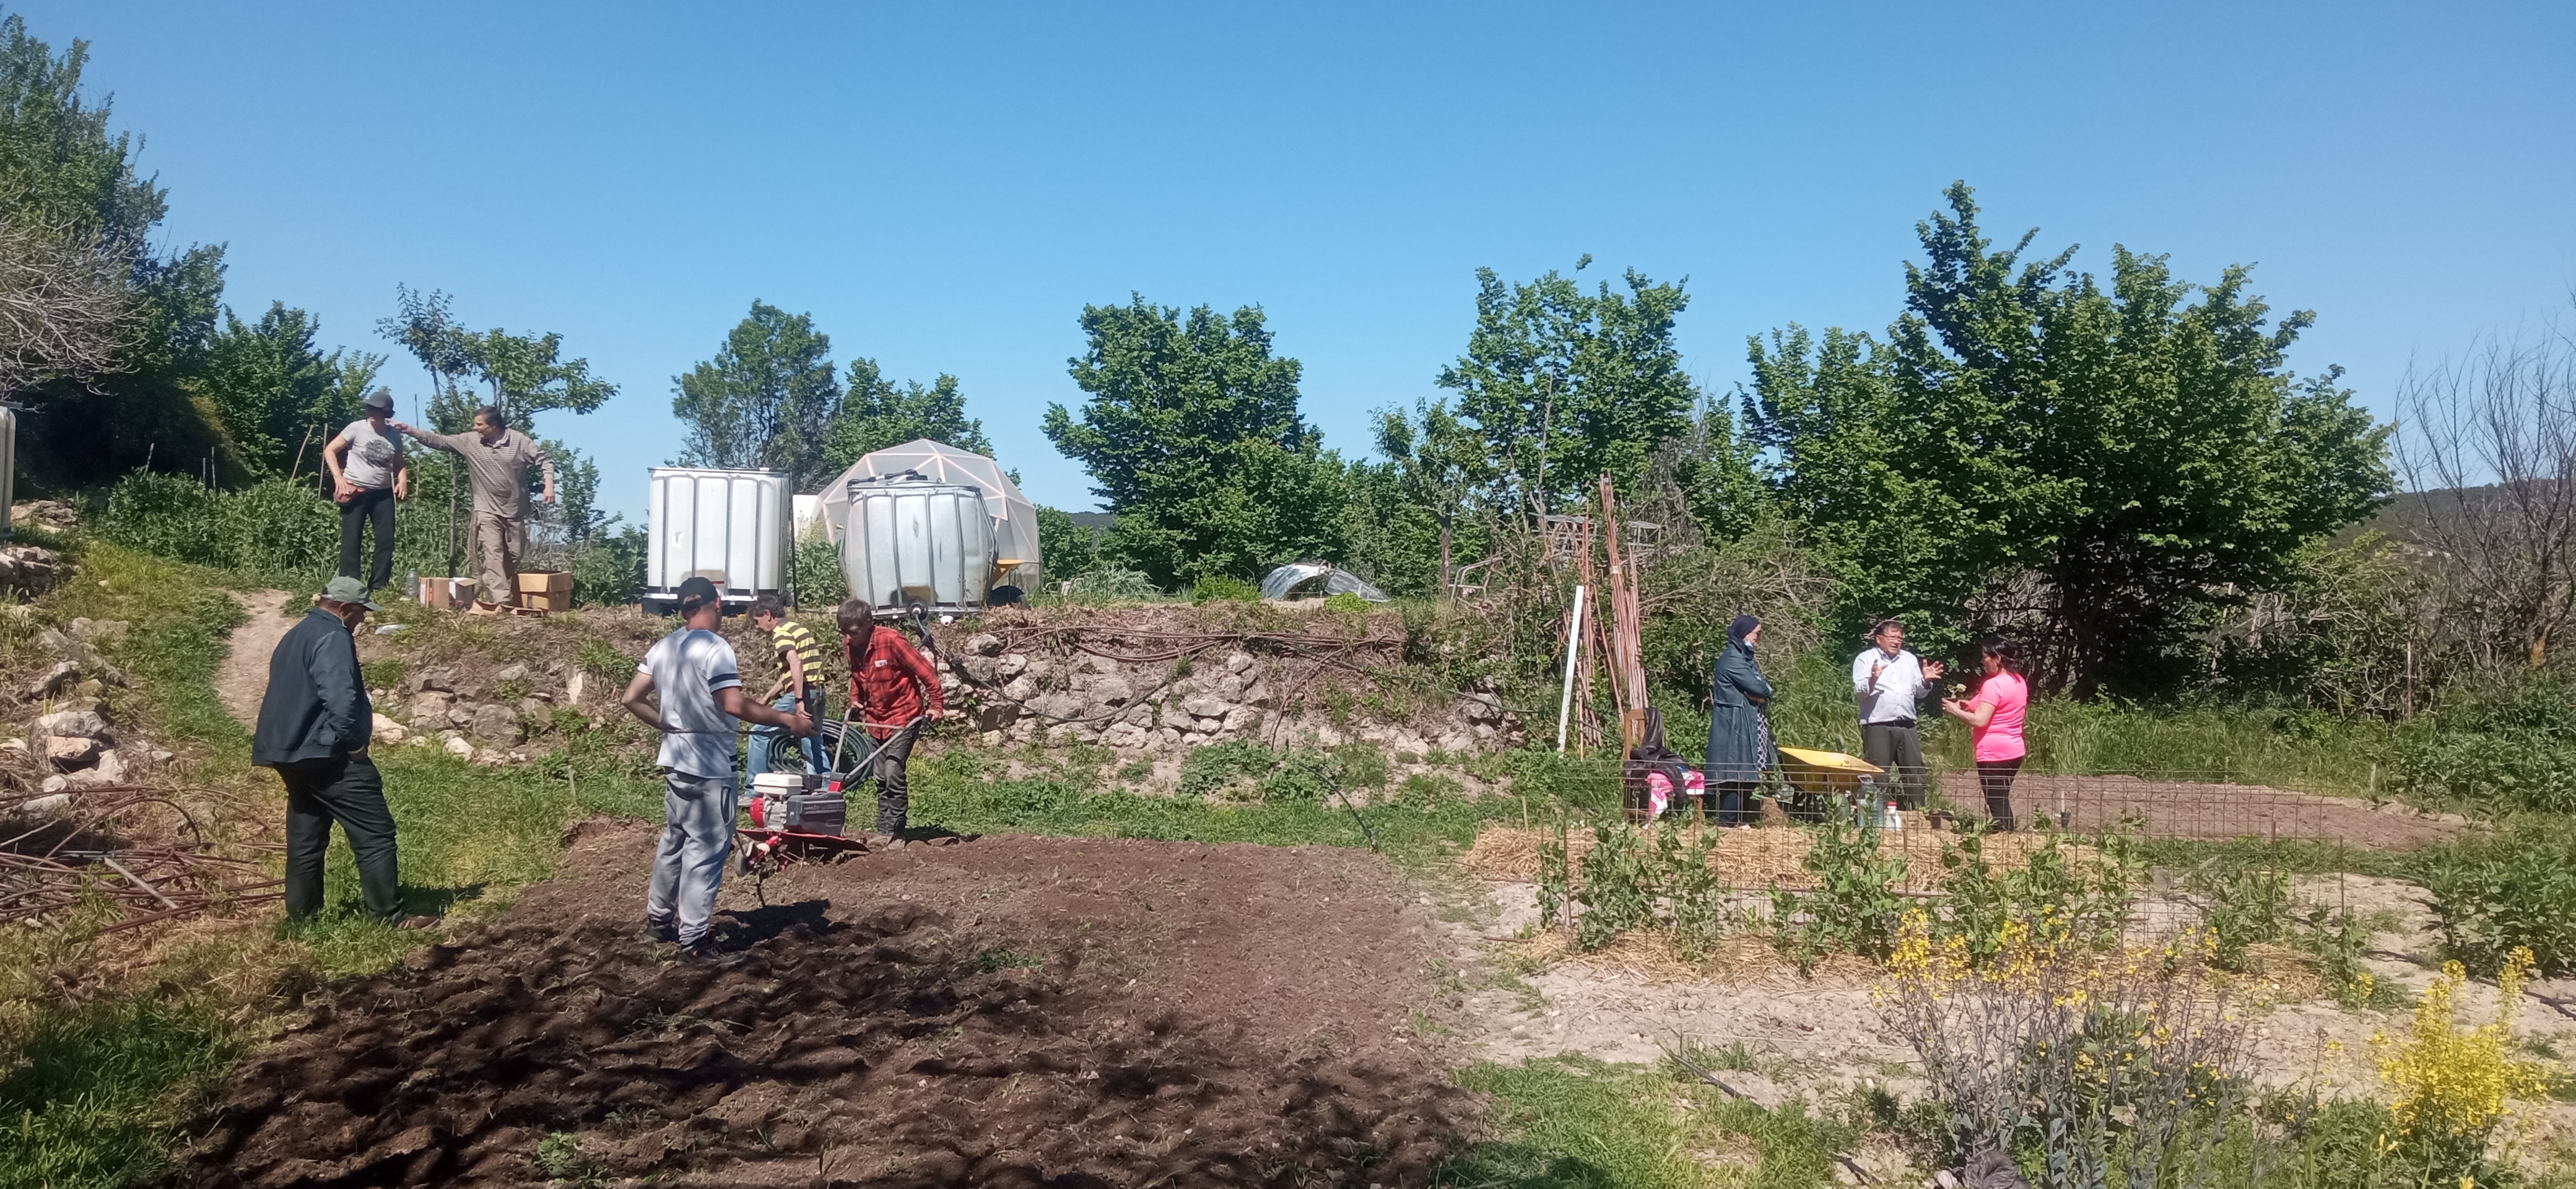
(945,186)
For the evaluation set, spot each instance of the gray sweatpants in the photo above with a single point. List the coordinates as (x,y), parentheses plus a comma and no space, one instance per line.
(697,839)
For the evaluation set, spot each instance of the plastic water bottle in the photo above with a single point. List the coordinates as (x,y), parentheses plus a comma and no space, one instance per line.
(1888,820)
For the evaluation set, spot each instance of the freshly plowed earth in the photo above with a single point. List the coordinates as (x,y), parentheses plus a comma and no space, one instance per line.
(1007,1011)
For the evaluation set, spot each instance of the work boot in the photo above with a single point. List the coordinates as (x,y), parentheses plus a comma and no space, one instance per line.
(662,933)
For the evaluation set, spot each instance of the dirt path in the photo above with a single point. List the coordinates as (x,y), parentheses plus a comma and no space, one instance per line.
(243,679)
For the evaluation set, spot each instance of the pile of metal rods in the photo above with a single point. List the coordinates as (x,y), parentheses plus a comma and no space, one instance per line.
(126,856)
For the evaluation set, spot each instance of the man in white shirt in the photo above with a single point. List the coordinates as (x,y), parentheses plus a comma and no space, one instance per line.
(701,696)
(368,473)
(1890,683)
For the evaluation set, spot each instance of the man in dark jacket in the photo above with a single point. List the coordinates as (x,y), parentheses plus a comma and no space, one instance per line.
(314,724)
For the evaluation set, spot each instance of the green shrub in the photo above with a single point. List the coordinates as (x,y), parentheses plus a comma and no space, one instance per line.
(1218,588)
(1346,603)
(820,581)
(383,674)
(1233,768)
(272,528)
(2516,889)
(608,570)
(2242,905)
(1618,892)
(1854,908)
(602,660)
(1111,586)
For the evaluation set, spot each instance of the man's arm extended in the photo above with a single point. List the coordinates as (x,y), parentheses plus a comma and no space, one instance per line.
(730,700)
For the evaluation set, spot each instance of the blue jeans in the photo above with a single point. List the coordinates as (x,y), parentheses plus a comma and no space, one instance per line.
(766,740)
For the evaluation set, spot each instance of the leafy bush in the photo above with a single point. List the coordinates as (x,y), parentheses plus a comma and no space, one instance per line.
(1346,603)
(602,660)
(608,570)
(2052,897)
(2505,744)
(1218,588)
(2243,905)
(1618,892)
(1854,909)
(820,581)
(2516,891)
(272,528)
(1110,586)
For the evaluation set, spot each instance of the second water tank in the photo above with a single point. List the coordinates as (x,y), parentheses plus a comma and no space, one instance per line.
(907,539)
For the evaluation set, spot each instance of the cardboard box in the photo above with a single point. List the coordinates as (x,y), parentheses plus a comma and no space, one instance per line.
(546,600)
(545,582)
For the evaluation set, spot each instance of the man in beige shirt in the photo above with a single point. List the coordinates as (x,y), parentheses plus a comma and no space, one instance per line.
(498,458)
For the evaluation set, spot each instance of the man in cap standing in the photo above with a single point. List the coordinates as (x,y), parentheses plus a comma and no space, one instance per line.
(368,473)
(498,457)
(701,695)
(314,725)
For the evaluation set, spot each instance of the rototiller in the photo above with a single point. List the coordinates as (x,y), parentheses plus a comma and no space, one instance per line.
(803,816)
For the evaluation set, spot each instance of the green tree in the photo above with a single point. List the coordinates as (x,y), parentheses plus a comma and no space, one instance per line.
(279,397)
(2095,469)
(1565,385)
(880,413)
(69,188)
(1437,462)
(1719,474)
(526,374)
(768,398)
(1193,438)
(1070,547)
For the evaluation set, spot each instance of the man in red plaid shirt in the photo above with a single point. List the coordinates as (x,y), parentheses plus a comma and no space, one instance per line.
(894,692)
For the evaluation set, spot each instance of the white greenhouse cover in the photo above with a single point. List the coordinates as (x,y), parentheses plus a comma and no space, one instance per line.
(1015,519)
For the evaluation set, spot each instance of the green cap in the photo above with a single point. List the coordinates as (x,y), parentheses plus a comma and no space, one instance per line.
(348,590)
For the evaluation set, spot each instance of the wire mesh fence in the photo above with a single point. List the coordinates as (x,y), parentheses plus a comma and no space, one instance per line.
(2080,811)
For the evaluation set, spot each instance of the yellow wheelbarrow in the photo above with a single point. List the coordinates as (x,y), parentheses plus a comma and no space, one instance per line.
(1823,781)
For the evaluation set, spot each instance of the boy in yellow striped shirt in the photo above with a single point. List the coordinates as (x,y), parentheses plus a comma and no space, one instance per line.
(800,682)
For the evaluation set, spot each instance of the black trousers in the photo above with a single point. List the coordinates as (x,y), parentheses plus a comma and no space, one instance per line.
(894,789)
(1995,779)
(376,504)
(347,790)
(1898,748)
(1733,802)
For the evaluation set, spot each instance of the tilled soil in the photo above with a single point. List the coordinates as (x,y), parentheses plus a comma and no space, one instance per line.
(1007,1011)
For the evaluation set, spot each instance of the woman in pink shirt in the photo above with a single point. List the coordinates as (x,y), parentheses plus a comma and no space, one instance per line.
(1995,715)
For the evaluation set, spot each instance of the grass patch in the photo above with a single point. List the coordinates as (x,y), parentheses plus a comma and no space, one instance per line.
(1568,1122)
(101,1088)
(960,790)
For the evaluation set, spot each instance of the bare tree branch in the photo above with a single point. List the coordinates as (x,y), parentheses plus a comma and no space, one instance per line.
(2487,451)
(67,308)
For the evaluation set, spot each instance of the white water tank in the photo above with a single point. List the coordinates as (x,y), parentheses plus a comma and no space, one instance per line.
(907,540)
(733,528)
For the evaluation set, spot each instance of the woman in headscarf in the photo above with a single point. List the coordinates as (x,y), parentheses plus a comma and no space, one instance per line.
(1739,734)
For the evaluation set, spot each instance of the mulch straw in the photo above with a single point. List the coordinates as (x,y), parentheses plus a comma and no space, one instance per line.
(1770,856)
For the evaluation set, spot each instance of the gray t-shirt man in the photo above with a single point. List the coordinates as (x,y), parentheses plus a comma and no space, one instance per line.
(688,667)
(375,456)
